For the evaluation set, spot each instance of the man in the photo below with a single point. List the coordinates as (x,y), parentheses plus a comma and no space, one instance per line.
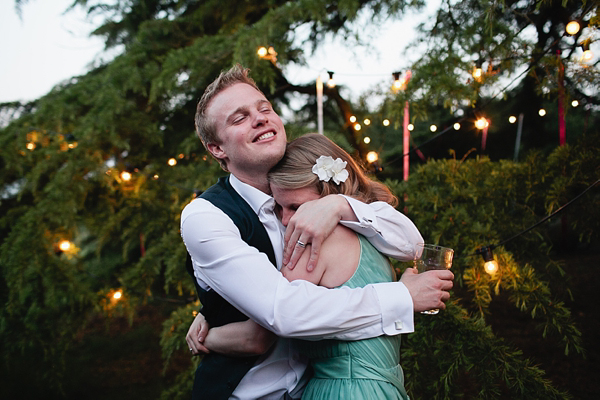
(233,261)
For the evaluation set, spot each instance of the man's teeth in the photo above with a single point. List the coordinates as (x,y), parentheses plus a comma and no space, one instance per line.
(265,136)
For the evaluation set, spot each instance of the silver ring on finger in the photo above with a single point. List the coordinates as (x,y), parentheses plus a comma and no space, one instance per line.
(301,244)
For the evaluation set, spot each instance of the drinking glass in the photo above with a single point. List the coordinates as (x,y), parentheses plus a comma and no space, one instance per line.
(429,257)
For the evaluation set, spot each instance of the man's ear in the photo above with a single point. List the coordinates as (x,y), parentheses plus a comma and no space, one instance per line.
(216,151)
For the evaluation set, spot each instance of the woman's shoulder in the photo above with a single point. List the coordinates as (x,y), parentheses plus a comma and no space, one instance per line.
(338,259)
(340,255)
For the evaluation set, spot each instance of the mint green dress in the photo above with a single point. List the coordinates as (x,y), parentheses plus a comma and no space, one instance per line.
(364,369)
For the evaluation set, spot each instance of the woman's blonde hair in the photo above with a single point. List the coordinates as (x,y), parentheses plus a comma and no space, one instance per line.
(294,171)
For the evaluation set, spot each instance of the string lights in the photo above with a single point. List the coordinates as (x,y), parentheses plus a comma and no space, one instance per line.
(490,264)
(269,54)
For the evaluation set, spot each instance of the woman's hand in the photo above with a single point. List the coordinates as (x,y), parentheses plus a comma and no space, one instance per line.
(196,335)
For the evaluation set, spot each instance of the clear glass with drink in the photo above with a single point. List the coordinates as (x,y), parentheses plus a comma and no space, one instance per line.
(429,257)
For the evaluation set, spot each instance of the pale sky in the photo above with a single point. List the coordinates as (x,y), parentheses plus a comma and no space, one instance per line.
(46,47)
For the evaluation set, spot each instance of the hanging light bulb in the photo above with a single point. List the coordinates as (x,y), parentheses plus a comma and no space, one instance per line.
(397,85)
(456,126)
(330,81)
(372,156)
(64,245)
(367,121)
(262,52)
(410,127)
(490,265)
(352,119)
(512,119)
(386,122)
(367,140)
(542,112)
(572,28)
(477,72)
(267,54)
(172,162)
(126,176)
(117,295)
(481,123)
(574,103)
(357,127)
(433,128)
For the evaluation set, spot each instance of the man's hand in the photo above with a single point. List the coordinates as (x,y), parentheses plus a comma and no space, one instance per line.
(312,223)
(196,335)
(429,290)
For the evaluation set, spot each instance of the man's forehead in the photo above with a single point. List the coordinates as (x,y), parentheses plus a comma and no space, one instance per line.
(236,96)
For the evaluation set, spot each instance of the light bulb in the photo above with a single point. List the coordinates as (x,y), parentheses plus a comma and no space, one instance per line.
(587,55)
(433,128)
(352,118)
(386,122)
(64,245)
(172,162)
(512,119)
(357,127)
(410,127)
(456,126)
(330,81)
(126,176)
(574,103)
(542,112)
(481,123)
(262,51)
(367,121)
(372,156)
(367,140)
(491,267)
(572,28)
(117,295)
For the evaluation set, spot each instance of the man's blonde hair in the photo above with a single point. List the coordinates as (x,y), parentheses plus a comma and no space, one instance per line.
(205,126)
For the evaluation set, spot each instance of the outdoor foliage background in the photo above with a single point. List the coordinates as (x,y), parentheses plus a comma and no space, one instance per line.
(62,156)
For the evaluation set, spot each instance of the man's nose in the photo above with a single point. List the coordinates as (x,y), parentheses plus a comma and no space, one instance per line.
(260,119)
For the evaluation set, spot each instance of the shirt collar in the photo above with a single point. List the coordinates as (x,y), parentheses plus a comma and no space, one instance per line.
(257,199)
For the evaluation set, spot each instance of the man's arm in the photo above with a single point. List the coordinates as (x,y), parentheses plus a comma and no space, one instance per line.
(390,231)
(246,279)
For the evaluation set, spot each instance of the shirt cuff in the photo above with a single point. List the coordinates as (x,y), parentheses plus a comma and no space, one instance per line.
(397,312)
(367,218)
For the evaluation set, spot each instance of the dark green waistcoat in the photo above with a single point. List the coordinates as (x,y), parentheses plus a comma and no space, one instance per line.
(218,375)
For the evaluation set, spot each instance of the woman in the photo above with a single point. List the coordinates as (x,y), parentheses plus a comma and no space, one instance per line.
(313,167)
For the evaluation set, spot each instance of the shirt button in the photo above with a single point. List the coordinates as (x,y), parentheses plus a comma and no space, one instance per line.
(399,325)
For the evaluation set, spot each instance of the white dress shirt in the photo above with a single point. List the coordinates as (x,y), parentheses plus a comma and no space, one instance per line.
(246,278)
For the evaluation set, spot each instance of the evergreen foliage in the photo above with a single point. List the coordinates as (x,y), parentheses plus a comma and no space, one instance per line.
(62,158)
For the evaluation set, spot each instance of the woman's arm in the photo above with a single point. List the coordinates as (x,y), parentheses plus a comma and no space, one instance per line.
(240,339)
(236,339)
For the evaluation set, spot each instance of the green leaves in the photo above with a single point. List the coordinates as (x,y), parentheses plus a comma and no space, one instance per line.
(474,203)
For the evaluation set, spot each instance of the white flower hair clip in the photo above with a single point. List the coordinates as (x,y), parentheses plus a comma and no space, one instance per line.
(326,168)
